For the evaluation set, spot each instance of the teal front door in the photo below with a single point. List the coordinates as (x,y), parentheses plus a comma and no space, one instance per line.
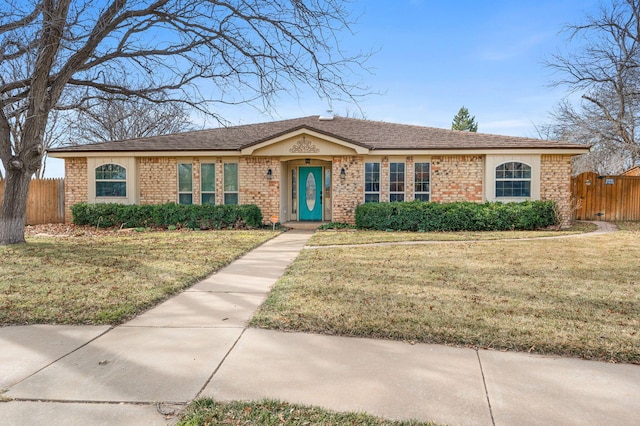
(310,200)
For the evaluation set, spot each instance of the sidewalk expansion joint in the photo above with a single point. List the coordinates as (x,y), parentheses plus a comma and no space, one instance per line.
(94,402)
(220,364)
(62,356)
(486,390)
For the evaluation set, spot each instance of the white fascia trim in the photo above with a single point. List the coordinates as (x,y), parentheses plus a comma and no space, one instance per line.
(300,132)
(502,151)
(144,154)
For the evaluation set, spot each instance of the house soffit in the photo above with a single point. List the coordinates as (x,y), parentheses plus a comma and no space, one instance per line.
(305,141)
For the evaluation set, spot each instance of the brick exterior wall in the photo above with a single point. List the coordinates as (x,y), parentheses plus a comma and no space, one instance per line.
(348,192)
(75,184)
(158,180)
(555,184)
(453,178)
(457,178)
(254,186)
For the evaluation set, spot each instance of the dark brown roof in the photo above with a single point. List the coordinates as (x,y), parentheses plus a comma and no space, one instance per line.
(375,135)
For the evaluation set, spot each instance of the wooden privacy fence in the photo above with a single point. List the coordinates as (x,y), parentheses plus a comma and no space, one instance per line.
(45,203)
(608,198)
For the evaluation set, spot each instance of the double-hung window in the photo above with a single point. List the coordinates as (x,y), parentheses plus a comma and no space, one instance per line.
(513,180)
(207,183)
(371,182)
(421,181)
(111,181)
(396,181)
(230,183)
(185,183)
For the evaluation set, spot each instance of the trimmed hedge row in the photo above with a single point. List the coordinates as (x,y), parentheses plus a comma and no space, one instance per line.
(460,216)
(206,216)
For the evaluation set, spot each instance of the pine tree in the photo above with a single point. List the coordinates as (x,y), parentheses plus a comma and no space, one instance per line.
(463,121)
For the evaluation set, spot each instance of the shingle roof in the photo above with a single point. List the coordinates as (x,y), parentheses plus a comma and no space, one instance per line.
(375,135)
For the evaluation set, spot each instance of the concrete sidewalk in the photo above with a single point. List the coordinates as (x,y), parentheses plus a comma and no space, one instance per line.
(196,344)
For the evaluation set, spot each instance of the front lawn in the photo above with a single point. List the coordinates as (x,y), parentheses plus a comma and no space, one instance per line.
(110,277)
(351,236)
(575,296)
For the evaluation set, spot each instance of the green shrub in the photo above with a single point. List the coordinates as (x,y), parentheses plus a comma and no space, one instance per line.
(460,216)
(170,216)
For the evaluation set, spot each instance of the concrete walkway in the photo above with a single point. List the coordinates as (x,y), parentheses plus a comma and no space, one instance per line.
(196,344)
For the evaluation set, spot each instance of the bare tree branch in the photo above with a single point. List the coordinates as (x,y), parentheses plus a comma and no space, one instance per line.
(66,54)
(605,70)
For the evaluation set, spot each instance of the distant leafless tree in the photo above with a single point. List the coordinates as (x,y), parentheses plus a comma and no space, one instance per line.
(605,72)
(65,54)
(120,119)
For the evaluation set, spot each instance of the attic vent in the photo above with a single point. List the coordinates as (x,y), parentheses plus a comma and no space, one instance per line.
(327,117)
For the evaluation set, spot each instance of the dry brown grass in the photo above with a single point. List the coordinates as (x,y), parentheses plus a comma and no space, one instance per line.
(109,277)
(350,236)
(574,296)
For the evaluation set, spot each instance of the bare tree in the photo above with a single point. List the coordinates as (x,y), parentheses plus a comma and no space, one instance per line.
(63,54)
(120,119)
(605,71)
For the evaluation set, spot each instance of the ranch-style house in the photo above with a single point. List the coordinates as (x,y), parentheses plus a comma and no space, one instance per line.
(318,168)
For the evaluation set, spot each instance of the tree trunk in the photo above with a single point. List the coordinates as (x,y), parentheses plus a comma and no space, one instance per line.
(14,206)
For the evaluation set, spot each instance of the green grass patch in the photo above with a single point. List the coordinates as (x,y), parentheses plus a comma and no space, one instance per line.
(351,236)
(570,297)
(108,279)
(269,412)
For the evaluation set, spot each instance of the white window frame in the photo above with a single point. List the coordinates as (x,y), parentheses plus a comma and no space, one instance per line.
(404,180)
(415,181)
(512,179)
(365,181)
(185,192)
(224,189)
(494,160)
(97,181)
(202,191)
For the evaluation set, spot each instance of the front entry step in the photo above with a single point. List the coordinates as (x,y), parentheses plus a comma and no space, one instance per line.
(303,224)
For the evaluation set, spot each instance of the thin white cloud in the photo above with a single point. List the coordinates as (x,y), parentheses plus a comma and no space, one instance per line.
(512,49)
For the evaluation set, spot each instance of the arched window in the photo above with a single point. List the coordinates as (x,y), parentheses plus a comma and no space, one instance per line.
(513,180)
(111,181)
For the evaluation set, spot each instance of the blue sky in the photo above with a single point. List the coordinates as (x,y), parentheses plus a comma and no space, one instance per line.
(434,56)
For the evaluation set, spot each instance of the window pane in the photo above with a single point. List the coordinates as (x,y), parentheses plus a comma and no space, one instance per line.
(371,198)
(185,199)
(372,177)
(111,189)
(422,197)
(513,170)
(111,172)
(421,178)
(185,178)
(230,177)
(396,197)
(294,193)
(513,179)
(208,177)
(111,181)
(208,198)
(396,177)
(231,198)
(513,188)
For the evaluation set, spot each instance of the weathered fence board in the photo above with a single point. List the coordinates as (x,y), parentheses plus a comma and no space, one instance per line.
(608,198)
(45,203)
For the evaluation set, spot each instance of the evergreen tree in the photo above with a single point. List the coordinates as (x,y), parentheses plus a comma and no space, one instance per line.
(463,121)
